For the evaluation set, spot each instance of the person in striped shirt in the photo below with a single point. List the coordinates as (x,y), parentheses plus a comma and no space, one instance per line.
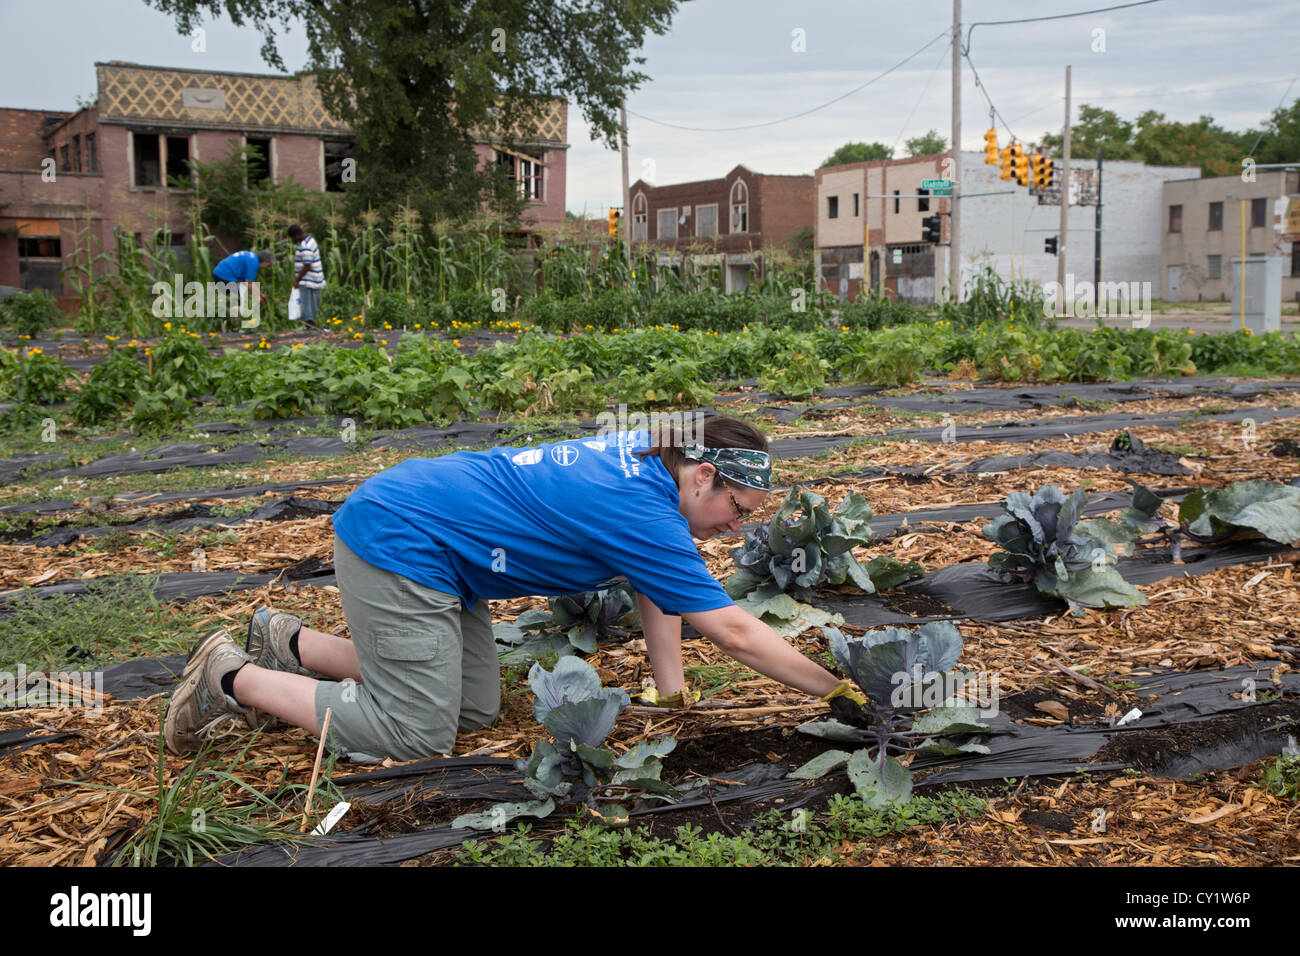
(309,277)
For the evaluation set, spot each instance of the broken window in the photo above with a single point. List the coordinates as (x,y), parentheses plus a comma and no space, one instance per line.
(76,154)
(259,159)
(67,162)
(147,160)
(178,162)
(740,207)
(92,158)
(40,263)
(336,152)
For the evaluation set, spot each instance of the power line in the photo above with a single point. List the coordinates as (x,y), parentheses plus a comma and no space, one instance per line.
(786,119)
(926,89)
(1058,16)
(1279,106)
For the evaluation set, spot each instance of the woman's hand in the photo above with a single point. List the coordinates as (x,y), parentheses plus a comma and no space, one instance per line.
(747,639)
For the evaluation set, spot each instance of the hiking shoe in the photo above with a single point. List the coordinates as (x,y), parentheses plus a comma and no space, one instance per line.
(198,707)
(269,634)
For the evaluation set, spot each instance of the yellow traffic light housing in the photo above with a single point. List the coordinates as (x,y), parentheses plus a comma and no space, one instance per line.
(1019,164)
(1004,160)
(991,152)
(613,222)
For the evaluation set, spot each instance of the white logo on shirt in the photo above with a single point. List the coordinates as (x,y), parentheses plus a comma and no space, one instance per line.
(564,455)
(595,445)
(530,457)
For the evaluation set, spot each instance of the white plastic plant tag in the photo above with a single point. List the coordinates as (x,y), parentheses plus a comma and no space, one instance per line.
(295,305)
(331,818)
(1128,718)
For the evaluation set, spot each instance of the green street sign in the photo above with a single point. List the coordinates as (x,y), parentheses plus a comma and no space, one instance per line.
(937,187)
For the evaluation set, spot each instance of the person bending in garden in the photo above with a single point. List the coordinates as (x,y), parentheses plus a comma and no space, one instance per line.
(420,548)
(243,267)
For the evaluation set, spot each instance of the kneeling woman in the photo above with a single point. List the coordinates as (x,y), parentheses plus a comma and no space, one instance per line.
(420,548)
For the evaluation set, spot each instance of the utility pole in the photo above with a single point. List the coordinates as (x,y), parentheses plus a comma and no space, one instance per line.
(626,231)
(1065,202)
(954,222)
(1096,244)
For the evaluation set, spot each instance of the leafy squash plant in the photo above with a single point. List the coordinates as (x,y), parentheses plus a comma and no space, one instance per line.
(574,766)
(1045,542)
(575,622)
(794,555)
(896,669)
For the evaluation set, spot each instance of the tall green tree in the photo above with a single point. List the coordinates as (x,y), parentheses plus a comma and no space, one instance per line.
(858,153)
(416,80)
(926,144)
(1280,142)
(1096,127)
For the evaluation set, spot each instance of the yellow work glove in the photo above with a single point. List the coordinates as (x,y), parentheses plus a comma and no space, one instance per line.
(846,690)
(674,700)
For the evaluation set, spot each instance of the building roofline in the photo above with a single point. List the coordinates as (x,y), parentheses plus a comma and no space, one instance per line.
(187,69)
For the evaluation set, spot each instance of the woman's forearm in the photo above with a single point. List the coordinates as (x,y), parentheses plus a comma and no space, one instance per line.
(663,641)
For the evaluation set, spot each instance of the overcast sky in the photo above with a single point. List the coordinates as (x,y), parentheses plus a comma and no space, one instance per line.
(729,63)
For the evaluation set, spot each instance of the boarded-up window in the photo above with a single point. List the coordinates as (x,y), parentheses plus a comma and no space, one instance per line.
(667,223)
(639,218)
(706,220)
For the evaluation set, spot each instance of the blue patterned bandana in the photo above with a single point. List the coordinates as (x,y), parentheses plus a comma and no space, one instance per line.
(744,466)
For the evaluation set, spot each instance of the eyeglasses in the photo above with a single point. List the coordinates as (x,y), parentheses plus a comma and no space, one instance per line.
(741,513)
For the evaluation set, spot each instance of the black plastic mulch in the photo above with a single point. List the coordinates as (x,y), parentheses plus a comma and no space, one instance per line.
(1016,750)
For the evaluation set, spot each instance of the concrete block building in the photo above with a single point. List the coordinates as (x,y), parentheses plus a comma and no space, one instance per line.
(1201,225)
(1003,225)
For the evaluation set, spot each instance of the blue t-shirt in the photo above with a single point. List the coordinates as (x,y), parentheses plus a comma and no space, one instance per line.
(240,266)
(510,522)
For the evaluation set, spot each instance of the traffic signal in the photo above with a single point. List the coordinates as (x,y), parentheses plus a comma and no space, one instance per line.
(1004,160)
(1049,245)
(613,222)
(1019,164)
(991,148)
(931,229)
(1042,171)
(1053,173)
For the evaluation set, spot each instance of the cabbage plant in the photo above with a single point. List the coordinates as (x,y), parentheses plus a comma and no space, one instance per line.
(897,670)
(806,545)
(574,765)
(574,622)
(1044,541)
